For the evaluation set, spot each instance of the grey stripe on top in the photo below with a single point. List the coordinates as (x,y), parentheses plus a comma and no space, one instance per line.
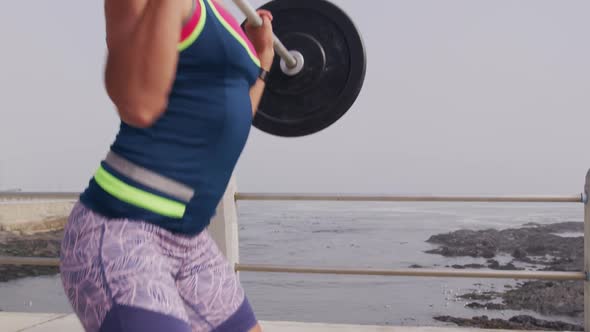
(148,178)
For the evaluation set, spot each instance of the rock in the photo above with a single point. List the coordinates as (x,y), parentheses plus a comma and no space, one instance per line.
(488,253)
(11,272)
(515,323)
(559,298)
(486,296)
(416,266)
(519,253)
(553,297)
(527,244)
(468,266)
(495,265)
(488,306)
(532,245)
(466,243)
(531,323)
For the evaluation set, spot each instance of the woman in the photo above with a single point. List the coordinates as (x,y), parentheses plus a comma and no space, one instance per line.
(136,254)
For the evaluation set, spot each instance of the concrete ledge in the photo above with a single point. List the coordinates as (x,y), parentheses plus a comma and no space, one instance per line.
(321,327)
(34,217)
(32,322)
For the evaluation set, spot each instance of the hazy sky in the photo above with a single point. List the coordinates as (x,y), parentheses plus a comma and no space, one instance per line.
(461,97)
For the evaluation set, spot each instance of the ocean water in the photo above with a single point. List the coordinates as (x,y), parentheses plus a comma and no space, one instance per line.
(350,235)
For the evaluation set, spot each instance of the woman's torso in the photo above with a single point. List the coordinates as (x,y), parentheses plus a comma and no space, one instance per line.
(199,138)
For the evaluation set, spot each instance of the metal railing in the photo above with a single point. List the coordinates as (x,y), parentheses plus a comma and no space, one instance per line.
(23,196)
(414,272)
(397,198)
(578,198)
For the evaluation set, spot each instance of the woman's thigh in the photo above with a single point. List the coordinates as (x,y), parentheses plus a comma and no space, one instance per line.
(117,278)
(213,296)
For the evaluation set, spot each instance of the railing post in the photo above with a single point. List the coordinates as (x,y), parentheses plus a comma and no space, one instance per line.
(586,254)
(224,226)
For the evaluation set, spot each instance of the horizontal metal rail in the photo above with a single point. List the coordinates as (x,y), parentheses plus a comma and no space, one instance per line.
(489,274)
(335,197)
(393,198)
(32,261)
(543,275)
(38,195)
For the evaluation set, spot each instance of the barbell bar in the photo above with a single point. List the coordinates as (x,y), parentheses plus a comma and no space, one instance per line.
(254,19)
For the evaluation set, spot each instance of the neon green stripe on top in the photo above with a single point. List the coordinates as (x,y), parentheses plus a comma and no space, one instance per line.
(138,197)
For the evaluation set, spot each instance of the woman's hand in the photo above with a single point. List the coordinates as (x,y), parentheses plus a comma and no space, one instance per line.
(262,38)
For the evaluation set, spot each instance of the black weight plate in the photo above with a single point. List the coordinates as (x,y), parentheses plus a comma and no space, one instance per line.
(331,79)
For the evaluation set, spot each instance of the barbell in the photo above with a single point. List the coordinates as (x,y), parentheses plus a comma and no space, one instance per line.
(319,69)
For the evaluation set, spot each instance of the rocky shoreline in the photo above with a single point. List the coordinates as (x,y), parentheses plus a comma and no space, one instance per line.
(521,322)
(45,244)
(539,247)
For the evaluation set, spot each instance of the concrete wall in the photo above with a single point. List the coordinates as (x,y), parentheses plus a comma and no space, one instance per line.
(34,216)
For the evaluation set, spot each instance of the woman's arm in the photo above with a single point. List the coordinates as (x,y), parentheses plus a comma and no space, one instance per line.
(262,38)
(142,38)
(256,92)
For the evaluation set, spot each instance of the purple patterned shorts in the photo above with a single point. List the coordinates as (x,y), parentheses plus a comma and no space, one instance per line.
(123,275)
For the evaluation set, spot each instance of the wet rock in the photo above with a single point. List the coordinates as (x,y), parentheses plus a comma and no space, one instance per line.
(519,253)
(495,265)
(416,266)
(562,227)
(522,322)
(533,244)
(466,243)
(485,296)
(531,323)
(468,266)
(563,298)
(548,297)
(487,306)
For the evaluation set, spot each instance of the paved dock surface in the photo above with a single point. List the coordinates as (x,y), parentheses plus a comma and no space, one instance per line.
(33,322)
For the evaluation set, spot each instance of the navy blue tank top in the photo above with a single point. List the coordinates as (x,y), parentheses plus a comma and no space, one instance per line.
(198,140)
